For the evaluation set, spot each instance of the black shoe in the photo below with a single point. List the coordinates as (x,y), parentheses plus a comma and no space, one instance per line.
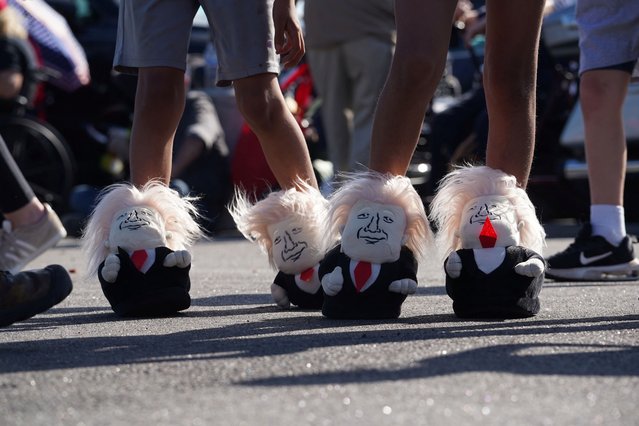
(28,293)
(593,258)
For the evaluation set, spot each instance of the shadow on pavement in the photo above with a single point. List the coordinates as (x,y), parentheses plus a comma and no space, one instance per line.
(292,333)
(525,358)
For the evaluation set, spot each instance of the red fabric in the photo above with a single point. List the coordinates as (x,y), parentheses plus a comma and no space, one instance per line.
(138,258)
(307,275)
(299,85)
(249,169)
(487,236)
(362,274)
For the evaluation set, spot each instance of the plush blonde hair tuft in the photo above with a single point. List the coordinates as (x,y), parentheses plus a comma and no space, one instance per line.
(384,189)
(302,202)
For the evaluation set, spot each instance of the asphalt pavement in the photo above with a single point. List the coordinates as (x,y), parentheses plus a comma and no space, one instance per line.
(234,358)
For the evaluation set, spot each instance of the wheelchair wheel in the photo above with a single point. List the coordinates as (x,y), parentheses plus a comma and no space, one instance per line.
(43,157)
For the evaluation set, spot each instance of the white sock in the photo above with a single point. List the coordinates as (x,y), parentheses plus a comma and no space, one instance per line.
(608,221)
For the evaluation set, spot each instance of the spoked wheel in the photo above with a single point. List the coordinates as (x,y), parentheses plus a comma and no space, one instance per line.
(43,157)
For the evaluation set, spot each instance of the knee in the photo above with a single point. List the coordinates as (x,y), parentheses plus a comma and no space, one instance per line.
(260,109)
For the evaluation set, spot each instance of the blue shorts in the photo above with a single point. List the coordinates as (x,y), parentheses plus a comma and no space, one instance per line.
(608,34)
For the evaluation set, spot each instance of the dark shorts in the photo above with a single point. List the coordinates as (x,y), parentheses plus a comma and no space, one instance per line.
(625,66)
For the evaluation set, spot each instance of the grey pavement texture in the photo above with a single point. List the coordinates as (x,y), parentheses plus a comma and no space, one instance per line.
(234,358)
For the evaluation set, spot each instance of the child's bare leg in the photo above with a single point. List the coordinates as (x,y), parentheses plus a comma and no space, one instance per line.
(510,70)
(602,93)
(159,103)
(260,100)
(423,31)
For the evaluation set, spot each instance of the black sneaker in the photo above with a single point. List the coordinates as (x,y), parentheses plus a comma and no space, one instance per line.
(28,293)
(593,258)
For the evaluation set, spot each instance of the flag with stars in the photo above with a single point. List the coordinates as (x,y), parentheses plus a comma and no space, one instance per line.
(60,51)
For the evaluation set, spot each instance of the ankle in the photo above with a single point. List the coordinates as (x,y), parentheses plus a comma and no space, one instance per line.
(34,212)
(608,221)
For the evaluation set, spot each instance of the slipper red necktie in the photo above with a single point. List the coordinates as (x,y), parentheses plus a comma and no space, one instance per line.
(138,258)
(307,275)
(362,273)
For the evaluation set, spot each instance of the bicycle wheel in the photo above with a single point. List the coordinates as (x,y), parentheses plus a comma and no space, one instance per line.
(43,157)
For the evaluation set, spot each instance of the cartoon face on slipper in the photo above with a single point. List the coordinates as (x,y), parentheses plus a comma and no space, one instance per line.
(374,232)
(489,221)
(136,228)
(295,246)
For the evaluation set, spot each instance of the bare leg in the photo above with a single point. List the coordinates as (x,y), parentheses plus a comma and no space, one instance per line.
(423,31)
(159,103)
(29,214)
(260,100)
(602,93)
(510,73)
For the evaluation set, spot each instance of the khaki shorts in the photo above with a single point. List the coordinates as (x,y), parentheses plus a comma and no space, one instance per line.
(155,33)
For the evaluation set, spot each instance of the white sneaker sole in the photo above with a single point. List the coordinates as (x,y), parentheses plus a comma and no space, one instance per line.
(623,272)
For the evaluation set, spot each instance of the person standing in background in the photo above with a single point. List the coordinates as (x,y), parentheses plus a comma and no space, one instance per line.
(609,49)
(350,45)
